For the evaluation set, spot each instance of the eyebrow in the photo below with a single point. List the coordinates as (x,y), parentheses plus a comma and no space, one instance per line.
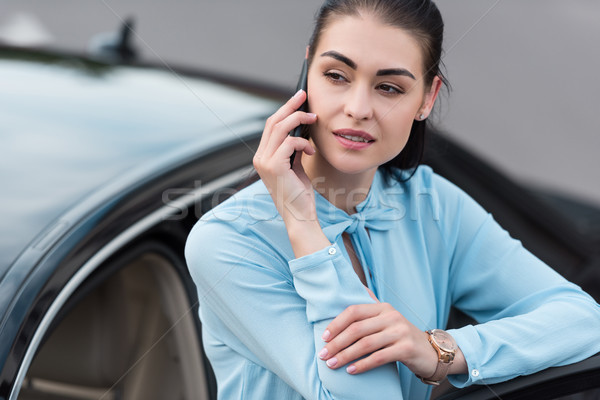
(395,71)
(381,72)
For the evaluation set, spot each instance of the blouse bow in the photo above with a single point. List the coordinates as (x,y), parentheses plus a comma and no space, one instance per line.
(373,214)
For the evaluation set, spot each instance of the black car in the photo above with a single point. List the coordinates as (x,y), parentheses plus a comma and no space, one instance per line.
(104,170)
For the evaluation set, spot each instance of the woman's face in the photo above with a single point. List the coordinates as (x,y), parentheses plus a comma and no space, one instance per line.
(366,85)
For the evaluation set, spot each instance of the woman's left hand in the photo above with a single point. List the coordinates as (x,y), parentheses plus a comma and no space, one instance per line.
(380,333)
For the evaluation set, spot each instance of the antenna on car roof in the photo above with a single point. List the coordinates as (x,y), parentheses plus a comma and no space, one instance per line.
(114,47)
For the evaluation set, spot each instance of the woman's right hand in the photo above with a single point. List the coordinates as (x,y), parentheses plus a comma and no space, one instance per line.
(290,188)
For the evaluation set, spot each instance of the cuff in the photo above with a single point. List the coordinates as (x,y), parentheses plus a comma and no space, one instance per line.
(468,340)
(328,283)
(315,259)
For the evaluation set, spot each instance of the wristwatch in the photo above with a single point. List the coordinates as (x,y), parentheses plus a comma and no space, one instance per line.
(445,346)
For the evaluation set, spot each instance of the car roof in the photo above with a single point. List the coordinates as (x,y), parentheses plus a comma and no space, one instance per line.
(71,126)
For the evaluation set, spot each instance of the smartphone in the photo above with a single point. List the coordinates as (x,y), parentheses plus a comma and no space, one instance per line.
(302,84)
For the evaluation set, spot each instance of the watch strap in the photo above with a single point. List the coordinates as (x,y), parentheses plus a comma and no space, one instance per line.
(441,371)
(443,366)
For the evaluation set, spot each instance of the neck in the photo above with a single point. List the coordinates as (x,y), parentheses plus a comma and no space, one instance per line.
(343,190)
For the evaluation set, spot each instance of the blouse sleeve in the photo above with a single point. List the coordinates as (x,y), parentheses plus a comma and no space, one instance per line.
(530,317)
(280,317)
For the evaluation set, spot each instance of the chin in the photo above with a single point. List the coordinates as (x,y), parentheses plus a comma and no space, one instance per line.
(352,166)
(351,169)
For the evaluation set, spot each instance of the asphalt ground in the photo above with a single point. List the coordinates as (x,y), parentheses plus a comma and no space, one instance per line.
(524,73)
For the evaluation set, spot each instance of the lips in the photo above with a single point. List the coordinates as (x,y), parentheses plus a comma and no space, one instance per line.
(355,136)
(353,139)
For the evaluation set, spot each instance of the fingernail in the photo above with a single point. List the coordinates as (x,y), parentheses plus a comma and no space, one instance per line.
(351,369)
(331,362)
(326,335)
(298,93)
(323,353)
(312,115)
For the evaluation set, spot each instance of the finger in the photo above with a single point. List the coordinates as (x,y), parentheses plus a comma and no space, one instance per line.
(289,145)
(366,346)
(288,108)
(279,162)
(298,168)
(350,336)
(285,110)
(284,151)
(377,359)
(348,316)
(282,129)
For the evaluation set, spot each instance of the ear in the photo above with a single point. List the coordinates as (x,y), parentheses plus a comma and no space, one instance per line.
(429,99)
(307,50)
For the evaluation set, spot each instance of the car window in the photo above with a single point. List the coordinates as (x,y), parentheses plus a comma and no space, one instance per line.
(130,335)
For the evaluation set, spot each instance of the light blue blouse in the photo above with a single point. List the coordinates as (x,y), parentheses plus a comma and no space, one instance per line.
(425,245)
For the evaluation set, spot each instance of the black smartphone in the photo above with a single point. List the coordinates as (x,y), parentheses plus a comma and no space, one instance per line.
(302,84)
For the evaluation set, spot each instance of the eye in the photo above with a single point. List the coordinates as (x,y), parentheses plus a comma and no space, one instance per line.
(334,77)
(389,89)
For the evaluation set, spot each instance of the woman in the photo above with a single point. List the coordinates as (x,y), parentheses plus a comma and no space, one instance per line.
(333,278)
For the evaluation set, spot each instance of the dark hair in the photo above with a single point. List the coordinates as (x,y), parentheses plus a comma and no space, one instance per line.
(421,19)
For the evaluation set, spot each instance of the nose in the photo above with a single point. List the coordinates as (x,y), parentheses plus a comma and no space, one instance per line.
(357,104)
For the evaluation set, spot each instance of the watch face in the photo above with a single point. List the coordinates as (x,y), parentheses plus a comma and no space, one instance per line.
(444,340)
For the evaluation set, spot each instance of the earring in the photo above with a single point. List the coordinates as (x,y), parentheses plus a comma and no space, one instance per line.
(421,117)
